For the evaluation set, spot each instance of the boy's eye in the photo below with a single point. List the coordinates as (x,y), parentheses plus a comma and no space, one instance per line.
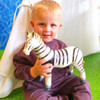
(53,25)
(41,24)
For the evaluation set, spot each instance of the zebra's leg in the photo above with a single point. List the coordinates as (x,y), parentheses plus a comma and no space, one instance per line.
(82,73)
(82,76)
(70,71)
(41,78)
(48,83)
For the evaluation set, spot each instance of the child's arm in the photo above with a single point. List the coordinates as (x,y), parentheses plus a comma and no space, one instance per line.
(27,67)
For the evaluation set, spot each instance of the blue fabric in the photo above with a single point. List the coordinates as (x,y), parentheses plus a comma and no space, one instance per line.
(7,9)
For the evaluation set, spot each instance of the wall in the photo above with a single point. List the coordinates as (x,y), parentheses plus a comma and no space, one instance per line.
(80,25)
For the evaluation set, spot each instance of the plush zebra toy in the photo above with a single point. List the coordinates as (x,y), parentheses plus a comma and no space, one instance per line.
(70,56)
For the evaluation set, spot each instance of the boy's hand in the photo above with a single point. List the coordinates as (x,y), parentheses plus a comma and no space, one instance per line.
(39,69)
(83,63)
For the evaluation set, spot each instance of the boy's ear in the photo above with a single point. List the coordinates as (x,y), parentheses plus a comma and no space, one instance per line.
(32,24)
(60,25)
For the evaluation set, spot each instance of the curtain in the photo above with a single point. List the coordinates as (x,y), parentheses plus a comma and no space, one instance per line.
(16,39)
(80,25)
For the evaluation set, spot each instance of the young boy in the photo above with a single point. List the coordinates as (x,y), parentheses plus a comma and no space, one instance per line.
(46,21)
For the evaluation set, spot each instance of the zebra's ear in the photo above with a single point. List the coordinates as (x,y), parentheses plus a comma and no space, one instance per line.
(29,34)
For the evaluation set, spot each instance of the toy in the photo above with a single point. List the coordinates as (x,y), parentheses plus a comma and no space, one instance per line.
(70,56)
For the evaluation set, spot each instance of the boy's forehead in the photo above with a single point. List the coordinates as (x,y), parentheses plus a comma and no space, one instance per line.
(46,13)
(46,16)
(40,11)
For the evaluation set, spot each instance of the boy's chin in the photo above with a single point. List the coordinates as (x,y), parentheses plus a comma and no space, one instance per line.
(47,40)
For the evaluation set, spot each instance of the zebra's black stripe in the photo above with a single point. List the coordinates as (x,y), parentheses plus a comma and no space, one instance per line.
(82,70)
(77,55)
(66,55)
(62,56)
(38,47)
(59,57)
(45,55)
(41,52)
(55,57)
(79,60)
(29,48)
(79,65)
(74,53)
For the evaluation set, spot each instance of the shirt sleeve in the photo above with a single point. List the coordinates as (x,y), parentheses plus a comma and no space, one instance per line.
(23,64)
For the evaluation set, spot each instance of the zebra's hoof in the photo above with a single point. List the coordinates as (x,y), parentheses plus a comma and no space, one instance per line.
(47,89)
(82,81)
(69,73)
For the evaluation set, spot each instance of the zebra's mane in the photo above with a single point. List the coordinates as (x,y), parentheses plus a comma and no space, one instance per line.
(35,39)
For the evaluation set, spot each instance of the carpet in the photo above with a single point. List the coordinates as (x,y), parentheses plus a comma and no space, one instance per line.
(91,66)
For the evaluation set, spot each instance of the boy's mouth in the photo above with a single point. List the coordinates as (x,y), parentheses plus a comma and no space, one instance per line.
(46,35)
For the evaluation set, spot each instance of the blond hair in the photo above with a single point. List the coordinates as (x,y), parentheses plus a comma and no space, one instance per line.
(49,5)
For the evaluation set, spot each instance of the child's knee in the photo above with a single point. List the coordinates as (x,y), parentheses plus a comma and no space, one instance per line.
(87,86)
(40,95)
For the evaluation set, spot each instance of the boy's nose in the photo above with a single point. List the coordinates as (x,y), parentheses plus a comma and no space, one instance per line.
(47,28)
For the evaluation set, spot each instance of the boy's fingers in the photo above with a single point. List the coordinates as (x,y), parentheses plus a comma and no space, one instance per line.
(47,66)
(48,71)
(43,61)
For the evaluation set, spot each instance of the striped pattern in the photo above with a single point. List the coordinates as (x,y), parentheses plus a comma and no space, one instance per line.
(70,56)
(67,56)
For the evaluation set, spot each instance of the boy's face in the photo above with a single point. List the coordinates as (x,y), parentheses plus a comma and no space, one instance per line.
(46,24)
